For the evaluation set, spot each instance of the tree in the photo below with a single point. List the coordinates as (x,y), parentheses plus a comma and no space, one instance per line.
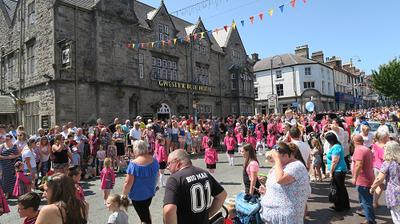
(387,80)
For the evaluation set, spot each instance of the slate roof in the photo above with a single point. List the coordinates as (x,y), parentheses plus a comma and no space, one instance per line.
(9,8)
(86,4)
(7,105)
(287,59)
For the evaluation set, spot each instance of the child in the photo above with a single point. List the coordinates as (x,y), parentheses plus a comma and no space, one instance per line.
(107,177)
(251,139)
(271,139)
(316,158)
(22,183)
(114,203)
(101,155)
(239,137)
(112,153)
(161,155)
(3,203)
(28,207)
(188,139)
(210,157)
(75,173)
(205,140)
(260,139)
(230,143)
(76,157)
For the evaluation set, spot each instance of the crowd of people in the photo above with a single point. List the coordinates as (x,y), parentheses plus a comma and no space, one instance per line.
(301,148)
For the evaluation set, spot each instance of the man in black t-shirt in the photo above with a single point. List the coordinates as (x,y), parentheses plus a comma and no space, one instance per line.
(188,192)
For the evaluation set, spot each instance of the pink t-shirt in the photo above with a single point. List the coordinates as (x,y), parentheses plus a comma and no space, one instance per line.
(252,141)
(210,156)
(366,176)
(378,156)
(160,153)
(239,138)
(252,167)
(229,142)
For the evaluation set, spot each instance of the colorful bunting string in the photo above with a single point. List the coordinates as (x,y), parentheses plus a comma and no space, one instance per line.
(201,35)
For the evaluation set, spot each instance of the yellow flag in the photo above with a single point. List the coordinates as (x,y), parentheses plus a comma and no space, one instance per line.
(233,24)
(133,46)
(152,44)
(270,12)
(175,41)
(202,35)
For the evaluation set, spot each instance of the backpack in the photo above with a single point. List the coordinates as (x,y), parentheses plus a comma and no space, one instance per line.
(246,212)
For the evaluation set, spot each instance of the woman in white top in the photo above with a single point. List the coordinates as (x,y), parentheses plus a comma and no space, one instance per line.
(44,150)
(28,157)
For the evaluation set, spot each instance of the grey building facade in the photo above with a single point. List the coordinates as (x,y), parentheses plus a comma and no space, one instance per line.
(68,60)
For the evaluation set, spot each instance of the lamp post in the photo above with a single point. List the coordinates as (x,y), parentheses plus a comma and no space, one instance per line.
(272,80)
(354,57)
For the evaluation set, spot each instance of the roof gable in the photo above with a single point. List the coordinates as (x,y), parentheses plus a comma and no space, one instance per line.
(162,10)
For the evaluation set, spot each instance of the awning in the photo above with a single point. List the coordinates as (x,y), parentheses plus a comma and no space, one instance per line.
(7,105)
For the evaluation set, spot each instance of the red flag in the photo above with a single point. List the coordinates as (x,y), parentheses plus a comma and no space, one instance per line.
(129,45)
(163,43)
(251,19)
(261,15)
(169,42)
(195,36)
(226,28)
(293,3)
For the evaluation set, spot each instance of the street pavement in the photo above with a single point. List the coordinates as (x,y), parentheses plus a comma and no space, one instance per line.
(231,179)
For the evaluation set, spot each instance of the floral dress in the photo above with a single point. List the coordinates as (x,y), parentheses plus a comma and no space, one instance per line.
(392,193)
(285,204)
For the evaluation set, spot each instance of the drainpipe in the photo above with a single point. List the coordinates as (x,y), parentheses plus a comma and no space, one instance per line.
(76,75)
(20,57)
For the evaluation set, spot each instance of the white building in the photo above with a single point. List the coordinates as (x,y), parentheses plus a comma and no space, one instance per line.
(296,79)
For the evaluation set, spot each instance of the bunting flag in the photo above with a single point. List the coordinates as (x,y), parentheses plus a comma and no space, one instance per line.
(251,19)
(270,12)
(293,3)
(200,35)
(281,8)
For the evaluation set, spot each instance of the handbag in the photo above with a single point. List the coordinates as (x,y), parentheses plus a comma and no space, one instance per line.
(332,192)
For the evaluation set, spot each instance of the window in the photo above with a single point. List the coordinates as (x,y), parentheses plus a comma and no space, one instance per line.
(31,111)
(329,87)
(323,86)
(163,32)
(255,92)
(233,85)
(201,47)
(141,65)
(11,68)
(31,13)
(278,74)
(307,71)
(279,89)
(236,57)
(201,75)
(30,59)
(163,68)
(309,85)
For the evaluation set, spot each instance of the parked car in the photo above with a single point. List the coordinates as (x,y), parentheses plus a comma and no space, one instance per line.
(374,125)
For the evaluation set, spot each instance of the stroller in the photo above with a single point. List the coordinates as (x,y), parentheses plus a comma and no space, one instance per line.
(239,211)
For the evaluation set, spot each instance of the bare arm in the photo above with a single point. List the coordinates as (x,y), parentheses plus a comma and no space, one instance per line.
(253,180)
(129,179)
(282,177)
(378,181)
(170,216)
(217,203)
(335,161)
(357,170)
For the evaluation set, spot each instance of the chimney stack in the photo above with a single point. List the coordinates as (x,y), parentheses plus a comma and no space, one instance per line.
(302,51)
(318,56)
(334,62)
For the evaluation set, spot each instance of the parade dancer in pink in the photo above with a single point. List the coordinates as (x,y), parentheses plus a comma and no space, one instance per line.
(230,144)
(161,156)
(211,157)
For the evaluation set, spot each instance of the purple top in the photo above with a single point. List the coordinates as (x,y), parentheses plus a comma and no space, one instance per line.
(392,171)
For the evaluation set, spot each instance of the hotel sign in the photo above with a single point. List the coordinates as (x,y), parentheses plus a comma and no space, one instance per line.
(184,85)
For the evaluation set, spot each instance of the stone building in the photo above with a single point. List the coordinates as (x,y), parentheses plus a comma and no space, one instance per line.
(68,60)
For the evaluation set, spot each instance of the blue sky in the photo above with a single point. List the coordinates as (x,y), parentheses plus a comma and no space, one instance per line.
(368,30)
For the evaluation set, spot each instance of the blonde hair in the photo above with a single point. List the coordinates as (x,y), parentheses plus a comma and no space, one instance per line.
(116,198)
(107,162)
(392,151)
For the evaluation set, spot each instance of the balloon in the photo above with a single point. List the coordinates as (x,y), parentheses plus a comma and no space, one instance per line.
(310,106)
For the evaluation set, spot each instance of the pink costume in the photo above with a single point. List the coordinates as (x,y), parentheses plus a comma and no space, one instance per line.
(107,177)
(252,141)
(21,184)
(271,140)
(210,156)
(3,203)
(259,135)
(204,142)
(160,153)
(230,143)
(239,138)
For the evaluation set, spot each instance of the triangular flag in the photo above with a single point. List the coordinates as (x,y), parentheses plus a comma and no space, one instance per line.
(270,12)
(181,40)
(210,33)
(242,22)
(293,3)
(175,41)
(133,46)
(233,24)
(169,42)
(251,19)
(195,36)
(152,44)
(226,28)
(201,35)
(261,15)
(187,39)
(163,43)
(281,7)
(129,45)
